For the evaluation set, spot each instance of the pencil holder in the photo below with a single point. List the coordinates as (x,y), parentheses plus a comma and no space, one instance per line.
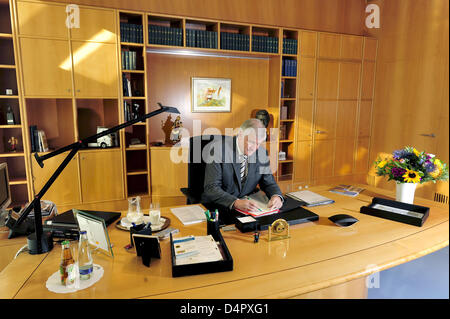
(212,228)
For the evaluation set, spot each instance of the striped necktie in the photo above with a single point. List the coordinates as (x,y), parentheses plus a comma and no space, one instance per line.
(243,166)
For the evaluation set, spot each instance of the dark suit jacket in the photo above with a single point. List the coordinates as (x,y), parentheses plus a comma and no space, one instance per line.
(222,174)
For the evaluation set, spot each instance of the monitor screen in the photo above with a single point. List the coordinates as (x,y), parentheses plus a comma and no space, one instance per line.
(5,197)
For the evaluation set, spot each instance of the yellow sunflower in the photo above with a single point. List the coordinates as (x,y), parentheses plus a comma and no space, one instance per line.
(382,164)
(411,176)
(416,152)
(437,172)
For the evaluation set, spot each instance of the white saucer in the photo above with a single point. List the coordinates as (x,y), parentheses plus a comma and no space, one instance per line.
(145,219)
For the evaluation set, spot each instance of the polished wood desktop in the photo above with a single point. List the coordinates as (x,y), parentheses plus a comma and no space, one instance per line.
(320,260)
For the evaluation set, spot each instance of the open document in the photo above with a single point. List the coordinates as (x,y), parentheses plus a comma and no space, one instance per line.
(260,200)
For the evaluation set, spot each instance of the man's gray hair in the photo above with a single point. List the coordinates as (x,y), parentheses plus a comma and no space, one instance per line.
(254,126)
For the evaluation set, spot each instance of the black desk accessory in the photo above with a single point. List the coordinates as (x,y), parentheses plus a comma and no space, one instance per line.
(294,216)
(40,242)
(208,267)
(147,247)
(343,220)
(401,212)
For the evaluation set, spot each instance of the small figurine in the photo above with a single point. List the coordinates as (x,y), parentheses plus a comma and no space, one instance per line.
(256,237)
(175,134)
(10,116)
(13,142)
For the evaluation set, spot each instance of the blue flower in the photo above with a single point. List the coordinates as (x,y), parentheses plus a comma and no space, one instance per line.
(398,154)
(429,167)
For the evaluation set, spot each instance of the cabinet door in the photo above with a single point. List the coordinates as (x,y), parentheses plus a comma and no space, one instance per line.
(351,47)
(302,162)
(365,116)
(323,153)
(349,79)
(308,43)
(46,67)
(168,176)
(307,78)
(327,80)
(343,159)
(98,25)
(325,120)
(370,49)
(329,45)
(95,69)
(305,120)
(346,119)
(43,20)
(362,156)
(368,80)
(101,176)
(66,188)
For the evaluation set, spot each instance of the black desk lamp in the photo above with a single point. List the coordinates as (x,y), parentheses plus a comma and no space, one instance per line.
(38,242)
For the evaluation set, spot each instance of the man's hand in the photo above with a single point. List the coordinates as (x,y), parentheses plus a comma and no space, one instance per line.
(275,202)
(245,205)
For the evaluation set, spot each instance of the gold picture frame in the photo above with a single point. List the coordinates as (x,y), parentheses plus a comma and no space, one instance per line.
(210,95)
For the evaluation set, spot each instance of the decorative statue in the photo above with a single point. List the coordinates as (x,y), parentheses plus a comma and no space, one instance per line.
(175,134)
(13,142)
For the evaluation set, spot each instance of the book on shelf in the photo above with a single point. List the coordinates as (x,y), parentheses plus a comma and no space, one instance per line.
(129,60)
(234,41)
(289,68)
(310,198)
(126,83)
(289,46)
(164,35)
(131,33)
(347,190)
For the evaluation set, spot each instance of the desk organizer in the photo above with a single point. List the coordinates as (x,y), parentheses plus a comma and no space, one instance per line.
(412,214)
(209,267)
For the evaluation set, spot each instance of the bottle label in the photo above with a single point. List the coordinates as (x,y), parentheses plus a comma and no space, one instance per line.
(86,271)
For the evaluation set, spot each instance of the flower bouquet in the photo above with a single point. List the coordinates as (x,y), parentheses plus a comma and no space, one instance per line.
(408,167)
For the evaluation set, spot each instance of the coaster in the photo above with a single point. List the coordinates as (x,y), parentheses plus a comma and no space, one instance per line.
(54,282)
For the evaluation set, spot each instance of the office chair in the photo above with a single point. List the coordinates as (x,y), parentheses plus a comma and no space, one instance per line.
(196,167)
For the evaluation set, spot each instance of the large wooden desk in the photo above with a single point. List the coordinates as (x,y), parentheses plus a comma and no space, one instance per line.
(319,260)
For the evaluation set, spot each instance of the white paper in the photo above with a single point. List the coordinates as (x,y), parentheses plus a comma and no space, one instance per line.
(189,214)
(199,250)
(397,210)
(309,197)
(247,219)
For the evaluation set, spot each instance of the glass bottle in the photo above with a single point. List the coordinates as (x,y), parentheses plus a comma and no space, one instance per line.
(85,262)
(67,264)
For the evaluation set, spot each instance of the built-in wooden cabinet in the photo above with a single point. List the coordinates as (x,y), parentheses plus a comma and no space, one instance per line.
(96,25)
(47,67)
(307,78)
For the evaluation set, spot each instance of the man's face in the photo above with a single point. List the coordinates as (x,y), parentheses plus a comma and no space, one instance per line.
(250,143)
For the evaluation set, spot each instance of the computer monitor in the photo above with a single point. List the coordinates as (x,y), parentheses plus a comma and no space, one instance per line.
(5,191)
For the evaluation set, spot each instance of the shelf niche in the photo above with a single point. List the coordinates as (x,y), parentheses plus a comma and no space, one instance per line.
(55,118)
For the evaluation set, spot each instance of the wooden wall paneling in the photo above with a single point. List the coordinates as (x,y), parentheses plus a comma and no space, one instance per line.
(344,157)
(302,162)
(307,77)
(362,155)
(346,119)
(308,43)
(305,124)
(323,158)
(370,49)
(368,80)
(365,118)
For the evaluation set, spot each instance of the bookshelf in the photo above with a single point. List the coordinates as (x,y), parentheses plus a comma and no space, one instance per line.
(134,94)
(288,100)
(11,128)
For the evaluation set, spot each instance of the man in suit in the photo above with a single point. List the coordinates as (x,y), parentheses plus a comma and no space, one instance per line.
(235,165)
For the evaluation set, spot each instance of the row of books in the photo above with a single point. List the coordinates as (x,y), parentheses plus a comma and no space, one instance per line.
(126,83)
(289,46)
(131,33)
(289,68)
(234,41)
(201,39)
(165,35)
(264,44)
(129,60)
(38,140)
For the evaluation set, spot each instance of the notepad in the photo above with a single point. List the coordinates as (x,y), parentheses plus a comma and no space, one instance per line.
(310,198)
(189,214)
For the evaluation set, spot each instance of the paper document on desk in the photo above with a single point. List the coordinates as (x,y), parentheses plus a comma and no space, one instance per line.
(260,200)
(310,198)
(189,214)
(196,249)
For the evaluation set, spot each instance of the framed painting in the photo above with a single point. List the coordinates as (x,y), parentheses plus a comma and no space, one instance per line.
(211,95)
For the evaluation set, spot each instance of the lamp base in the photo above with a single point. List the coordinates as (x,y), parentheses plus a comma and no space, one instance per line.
(46,244)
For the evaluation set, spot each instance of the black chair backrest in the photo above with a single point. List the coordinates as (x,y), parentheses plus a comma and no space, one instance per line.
(196,166)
